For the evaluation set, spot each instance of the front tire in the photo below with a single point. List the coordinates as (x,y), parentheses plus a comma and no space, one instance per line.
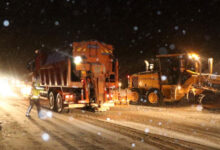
(154,97)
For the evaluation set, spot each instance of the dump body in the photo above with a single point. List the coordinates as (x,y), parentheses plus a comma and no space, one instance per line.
(86,75)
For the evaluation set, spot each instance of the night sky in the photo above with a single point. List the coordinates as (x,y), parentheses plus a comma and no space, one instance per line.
(138,29)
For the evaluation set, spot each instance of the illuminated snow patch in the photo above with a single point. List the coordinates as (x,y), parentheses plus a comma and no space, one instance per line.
(199,108)
(133,145)
(6,23)
(49,114)
(42,115)
(108,119)
(71,118)
(45,137)
(146,130)
(99,133)
(159,123)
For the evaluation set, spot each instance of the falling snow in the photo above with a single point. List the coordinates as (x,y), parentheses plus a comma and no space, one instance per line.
(184,32)
(45,137)
(176,28)
(147,130)
(159,12)
(172,46)
(133,145)
(163,50)
(6,23)
(56,23)
(135,28)
(163,78)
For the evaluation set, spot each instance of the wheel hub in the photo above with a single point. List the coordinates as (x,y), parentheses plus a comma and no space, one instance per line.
(153,98)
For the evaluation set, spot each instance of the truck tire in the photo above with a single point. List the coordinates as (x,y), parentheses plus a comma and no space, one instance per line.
(154,97)
(59,103)
(52,100)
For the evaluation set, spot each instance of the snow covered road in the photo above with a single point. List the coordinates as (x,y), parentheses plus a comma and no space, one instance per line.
(123,127)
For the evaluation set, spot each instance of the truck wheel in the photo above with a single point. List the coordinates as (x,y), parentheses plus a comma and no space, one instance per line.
(52,101)
(154,97)
(59,103)
(138,98)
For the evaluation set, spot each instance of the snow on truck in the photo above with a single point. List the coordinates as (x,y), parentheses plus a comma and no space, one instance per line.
(89,74)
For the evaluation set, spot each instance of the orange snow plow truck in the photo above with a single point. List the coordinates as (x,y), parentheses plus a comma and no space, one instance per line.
(86,76)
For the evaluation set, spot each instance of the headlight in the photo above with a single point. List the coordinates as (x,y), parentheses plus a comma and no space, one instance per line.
(77,60)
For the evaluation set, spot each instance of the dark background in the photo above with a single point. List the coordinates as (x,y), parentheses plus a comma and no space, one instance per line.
(138,29)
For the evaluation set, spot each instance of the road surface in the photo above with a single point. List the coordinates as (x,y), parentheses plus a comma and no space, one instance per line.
(121,128)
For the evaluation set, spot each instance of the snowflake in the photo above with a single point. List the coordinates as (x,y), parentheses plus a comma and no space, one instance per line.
(163,77)
(56,23)
(184,32)
(159,12)
(172,46)
(6,23)
(176,27)
(135,28)
(133,145)
(45,136)
(147,130)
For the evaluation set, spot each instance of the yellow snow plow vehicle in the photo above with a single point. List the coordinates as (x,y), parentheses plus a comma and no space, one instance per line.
(173,77)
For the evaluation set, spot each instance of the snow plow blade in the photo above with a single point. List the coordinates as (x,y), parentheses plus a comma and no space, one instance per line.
(211,101)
